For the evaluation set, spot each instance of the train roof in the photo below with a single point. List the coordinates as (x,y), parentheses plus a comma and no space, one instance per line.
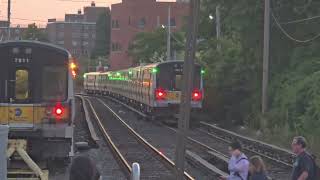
(35,44)
(149,66)
(93,73)
(160,63)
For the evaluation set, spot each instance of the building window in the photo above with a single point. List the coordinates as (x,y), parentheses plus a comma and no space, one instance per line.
(60,42)
(61,27)
(115,24)
(85,35)
(142,23)
(129,20)
(116,47)
(74,52)
(173,22)
(158,21)
(74,43)
(85,43)
(76,35)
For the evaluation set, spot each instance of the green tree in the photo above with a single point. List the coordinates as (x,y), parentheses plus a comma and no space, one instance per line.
(34,33)
(102,42)
(148,47)
(233,81)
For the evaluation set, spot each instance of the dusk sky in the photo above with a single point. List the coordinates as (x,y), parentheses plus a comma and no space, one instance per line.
(41,10)
(38,11)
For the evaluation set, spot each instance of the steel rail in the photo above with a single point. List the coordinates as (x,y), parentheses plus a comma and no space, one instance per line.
(121,159)
(139,138)
(92,131)
(263,149)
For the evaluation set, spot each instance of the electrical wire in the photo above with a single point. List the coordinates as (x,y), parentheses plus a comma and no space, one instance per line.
(301,20)
(288,35)
(24,19)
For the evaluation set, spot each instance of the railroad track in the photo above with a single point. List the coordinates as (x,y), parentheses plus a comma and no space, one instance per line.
(268,151)
(197,153)
(218,160)
(129,146)
(212,141)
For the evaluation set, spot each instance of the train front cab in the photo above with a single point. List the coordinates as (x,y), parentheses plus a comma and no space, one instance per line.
(36,98)
(167,90)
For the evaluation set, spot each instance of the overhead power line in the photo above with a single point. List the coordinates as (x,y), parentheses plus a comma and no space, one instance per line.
(301,20)
(288,35)
(31,20)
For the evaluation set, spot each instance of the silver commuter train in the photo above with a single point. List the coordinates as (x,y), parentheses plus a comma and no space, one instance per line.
(37,97)
(154,89)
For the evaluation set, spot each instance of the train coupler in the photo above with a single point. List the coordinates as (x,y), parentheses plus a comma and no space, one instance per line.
(17,148)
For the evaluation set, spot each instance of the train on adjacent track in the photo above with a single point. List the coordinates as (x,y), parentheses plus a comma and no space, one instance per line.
(37,97)
(154,89)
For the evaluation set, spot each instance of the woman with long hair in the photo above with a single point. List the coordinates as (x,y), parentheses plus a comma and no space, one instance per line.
(257,169)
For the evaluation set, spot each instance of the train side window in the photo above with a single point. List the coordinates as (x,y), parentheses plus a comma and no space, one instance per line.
(22,85)
(146,78)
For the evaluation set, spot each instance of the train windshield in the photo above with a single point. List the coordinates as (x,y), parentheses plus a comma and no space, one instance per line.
(169,77)
(54,83)
(22,85)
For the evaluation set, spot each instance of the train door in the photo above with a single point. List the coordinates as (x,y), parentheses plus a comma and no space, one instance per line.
(3,90)
(20,105)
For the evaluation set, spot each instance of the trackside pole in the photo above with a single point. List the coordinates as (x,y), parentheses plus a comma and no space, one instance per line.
(4,130)
(135,171)
(188,71)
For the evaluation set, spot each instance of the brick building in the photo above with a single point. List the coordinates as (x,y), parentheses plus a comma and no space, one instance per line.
(133,16)
(77,32)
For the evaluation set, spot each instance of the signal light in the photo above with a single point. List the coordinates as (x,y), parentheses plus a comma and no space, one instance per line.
(196,95)
(74,74)
(73,65)
(155,70)
(160,94)
(74,69)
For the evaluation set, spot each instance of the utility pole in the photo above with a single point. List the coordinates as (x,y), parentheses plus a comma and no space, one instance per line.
(169,35)
(266,45)
(9,18)
(218,26)
(188,71)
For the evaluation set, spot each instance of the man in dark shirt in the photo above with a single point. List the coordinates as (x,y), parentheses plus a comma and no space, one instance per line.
(303,167)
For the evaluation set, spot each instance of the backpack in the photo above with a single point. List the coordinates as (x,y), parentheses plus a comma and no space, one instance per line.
(316,167)
(237,173)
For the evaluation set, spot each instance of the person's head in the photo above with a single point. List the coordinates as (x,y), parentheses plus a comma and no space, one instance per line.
(235,148)
(299,144)
(82,168)
(257,165)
